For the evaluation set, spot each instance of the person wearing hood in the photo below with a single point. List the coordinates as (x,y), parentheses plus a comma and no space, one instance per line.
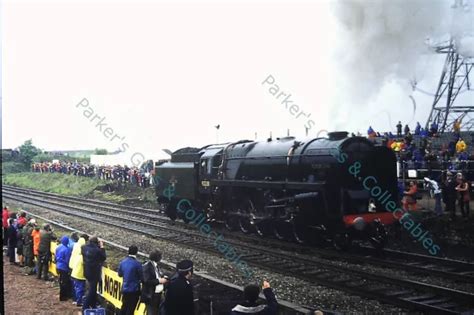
(250,306)
(76,265)
(63,255)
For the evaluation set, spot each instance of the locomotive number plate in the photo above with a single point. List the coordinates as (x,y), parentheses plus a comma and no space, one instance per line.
(205,183)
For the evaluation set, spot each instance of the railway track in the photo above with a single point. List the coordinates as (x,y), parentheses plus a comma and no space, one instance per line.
(419,264)
(404,293)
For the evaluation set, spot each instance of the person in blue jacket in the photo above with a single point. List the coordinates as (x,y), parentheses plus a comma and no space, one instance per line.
(132,272)
(93,256)
(418,128)
(63,254)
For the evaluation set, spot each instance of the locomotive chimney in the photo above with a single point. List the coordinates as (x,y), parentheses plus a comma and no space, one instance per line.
(270,139)
(337,135)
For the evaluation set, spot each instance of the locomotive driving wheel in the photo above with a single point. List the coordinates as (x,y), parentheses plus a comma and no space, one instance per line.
(263,228)
(231,221)
(246,210)
(183,210)
(300,229)
(342,241)
(282,229)
(378,236)
(264,224)
(171,211)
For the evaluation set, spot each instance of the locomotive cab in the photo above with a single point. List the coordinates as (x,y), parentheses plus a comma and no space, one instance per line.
(209,164)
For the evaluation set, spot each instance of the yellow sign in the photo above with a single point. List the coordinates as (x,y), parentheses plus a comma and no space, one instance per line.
(110,288)
(52,265)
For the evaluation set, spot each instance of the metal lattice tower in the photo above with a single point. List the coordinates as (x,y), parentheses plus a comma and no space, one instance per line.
(454,80)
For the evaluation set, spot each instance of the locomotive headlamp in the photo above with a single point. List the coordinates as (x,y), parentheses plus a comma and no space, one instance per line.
(359,223)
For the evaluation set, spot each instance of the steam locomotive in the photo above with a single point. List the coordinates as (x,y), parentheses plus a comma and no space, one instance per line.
(291,189)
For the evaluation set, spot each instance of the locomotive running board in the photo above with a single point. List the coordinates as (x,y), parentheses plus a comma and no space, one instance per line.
(269,184)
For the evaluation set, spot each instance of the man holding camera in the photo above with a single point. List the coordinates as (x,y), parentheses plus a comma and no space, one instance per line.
(93,255)
(250,305)
(153,283)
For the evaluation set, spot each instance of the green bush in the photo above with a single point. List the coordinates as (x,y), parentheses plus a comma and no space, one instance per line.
(80,186)
(13,167)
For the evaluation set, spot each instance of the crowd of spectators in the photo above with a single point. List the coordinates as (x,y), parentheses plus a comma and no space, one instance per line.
(454,191)
(139,176)
(439,156)
(451,154)
(79,260)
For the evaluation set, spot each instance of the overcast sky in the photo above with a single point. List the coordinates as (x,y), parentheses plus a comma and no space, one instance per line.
(164,73)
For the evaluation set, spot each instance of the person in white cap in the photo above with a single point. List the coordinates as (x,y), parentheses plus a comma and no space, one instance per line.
(435,193)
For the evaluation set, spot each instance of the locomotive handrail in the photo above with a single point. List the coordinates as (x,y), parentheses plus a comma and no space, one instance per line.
(274,156)
(319,185)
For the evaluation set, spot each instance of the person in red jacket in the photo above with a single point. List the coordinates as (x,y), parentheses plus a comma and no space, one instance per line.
(409,200)
(22,219)
(5,217)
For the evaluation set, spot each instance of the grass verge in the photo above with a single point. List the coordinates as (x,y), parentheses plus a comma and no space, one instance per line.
(79,186)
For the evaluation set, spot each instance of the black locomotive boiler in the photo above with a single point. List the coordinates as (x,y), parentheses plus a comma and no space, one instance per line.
(284,187)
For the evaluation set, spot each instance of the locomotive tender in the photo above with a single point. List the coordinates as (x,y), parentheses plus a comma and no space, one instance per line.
(297,190)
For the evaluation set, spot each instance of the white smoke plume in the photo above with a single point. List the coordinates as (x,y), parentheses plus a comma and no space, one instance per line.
(383,40)
(386,46)
(466,46)
(462,27)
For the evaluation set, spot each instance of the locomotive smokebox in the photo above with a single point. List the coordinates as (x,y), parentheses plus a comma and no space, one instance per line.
(337,135)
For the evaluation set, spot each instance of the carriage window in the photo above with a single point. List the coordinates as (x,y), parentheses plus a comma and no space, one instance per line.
(206,166)
(203,166)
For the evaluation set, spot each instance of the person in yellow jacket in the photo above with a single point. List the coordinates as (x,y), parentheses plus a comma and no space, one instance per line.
(76,265)
(396,146)
(461,146)
(457,126)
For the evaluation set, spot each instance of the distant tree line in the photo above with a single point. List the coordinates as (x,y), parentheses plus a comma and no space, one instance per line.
(27,154)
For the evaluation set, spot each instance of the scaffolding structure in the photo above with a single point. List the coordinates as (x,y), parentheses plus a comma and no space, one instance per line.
(454,81)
